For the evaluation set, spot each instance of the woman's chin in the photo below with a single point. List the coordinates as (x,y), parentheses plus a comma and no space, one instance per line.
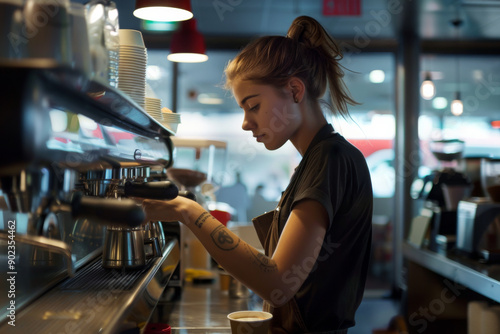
(272,146)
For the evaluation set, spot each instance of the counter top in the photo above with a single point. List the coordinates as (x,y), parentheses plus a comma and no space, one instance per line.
(477,276)
(202,308)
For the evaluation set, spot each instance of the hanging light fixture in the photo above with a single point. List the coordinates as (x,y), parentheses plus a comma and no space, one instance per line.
(187,45)
(427,89)
(457,107)
(163,10)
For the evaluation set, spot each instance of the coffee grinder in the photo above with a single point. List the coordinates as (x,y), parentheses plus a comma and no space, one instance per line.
(441,192)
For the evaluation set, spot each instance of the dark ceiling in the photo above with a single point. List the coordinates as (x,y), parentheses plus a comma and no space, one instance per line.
(379,19)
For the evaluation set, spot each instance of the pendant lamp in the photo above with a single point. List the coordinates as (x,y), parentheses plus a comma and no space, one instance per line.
(457,107)
(163,10)
(187,44)
(427,89)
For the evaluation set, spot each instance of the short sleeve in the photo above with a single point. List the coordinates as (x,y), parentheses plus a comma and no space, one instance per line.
(324,180)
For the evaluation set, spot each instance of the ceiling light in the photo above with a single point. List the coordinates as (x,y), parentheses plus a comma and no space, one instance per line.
(427,89)
(377,76)
(457,107)
(478,75)
(439,102)
(187,45)
(163,10)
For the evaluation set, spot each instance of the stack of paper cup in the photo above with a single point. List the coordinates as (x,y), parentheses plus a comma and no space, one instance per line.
(132,65)
(170,119)
(153,108)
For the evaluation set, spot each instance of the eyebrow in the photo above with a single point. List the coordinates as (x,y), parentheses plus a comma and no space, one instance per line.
(246,98)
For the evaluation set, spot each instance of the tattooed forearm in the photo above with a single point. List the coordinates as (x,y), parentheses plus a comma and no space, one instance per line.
(223,239)
(201,219)
(264,262)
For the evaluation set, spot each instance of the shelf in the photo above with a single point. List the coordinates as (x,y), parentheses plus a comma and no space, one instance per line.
(481,278)
(44,106)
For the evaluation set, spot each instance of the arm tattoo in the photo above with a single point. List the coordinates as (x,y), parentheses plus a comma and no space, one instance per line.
(201,219)
(224,240)
(265,263)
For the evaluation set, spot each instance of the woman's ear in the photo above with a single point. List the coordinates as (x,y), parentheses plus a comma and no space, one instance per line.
(297,88)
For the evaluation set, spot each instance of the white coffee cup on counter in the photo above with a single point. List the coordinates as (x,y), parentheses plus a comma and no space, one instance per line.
(250,322)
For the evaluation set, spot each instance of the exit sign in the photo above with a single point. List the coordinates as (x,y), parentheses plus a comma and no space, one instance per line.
(341,7)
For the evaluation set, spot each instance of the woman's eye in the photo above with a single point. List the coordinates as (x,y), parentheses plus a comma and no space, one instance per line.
(254,108)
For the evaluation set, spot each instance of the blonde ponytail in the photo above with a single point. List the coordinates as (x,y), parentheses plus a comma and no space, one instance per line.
(307,52)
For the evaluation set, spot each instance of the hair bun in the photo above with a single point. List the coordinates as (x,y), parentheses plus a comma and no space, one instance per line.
(307,30)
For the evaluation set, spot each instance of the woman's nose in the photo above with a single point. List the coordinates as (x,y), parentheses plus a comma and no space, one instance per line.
(247,124)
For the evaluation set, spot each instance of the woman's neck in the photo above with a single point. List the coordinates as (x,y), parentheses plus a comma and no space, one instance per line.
(312,121)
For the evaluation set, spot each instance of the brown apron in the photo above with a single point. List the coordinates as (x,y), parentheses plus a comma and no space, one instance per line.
(286,318)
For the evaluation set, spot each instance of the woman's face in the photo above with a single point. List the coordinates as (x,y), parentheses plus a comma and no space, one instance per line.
(270,113)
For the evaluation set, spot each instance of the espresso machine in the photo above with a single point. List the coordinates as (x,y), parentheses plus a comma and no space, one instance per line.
(75,251)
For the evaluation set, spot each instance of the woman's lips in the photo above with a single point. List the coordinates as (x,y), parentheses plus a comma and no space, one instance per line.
(259,137)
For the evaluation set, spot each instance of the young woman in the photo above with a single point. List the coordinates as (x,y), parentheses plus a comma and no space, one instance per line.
(317,240)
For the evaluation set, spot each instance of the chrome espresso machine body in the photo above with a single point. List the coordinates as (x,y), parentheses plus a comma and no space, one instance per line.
(74,251)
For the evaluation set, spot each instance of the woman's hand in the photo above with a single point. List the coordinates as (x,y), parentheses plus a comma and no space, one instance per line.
(178,209)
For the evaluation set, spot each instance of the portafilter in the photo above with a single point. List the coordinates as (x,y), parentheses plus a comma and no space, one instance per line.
(126,247)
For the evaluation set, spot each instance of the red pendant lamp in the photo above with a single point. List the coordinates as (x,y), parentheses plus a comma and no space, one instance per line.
(188,44)
(163,10)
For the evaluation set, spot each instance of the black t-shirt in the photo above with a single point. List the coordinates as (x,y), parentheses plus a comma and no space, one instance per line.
(334,173)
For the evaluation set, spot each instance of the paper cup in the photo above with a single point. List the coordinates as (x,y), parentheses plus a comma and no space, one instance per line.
(131,37)
(224,280)
(250,322)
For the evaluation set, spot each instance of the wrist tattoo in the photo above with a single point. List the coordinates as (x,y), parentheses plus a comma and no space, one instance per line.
(201,219)
(265,263)
(223,239)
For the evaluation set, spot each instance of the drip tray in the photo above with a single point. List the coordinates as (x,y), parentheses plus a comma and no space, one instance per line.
(100,300)
(95,277)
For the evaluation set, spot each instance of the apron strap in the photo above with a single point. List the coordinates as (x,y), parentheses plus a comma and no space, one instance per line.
(286,318)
